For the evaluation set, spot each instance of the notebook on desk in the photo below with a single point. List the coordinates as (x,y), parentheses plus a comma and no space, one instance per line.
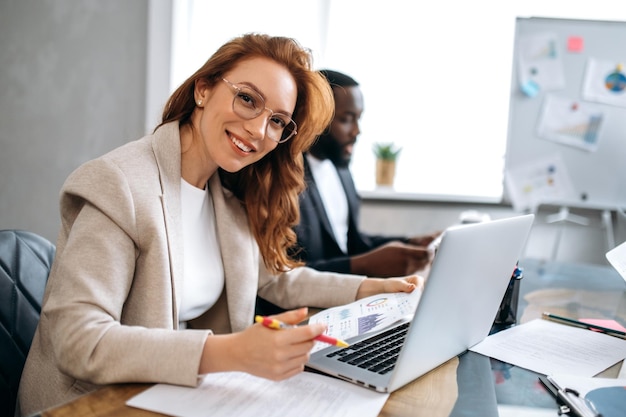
(467,281)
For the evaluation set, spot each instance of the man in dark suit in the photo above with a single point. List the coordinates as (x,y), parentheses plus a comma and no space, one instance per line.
(329,238)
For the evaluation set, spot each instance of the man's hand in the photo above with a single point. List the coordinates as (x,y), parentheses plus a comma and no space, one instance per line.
(393,259)
(424,240)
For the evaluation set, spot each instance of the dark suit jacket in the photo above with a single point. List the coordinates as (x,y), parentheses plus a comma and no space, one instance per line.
(316,241)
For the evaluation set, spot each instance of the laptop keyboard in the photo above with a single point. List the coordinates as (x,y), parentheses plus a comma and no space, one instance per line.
(376,354)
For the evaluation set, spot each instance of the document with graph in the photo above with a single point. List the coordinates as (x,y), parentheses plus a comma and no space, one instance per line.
(365,315)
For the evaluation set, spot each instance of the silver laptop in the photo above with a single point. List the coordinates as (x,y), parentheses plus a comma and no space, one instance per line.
(467,281)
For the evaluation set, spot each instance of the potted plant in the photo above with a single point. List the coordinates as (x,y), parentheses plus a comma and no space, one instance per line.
(386,155)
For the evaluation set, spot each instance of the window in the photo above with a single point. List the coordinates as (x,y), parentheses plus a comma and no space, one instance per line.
(436,76)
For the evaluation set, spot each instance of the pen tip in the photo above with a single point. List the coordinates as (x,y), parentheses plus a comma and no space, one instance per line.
(342,344)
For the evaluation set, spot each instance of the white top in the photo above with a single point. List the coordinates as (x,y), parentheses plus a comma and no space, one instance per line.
(334,197)
(204,271)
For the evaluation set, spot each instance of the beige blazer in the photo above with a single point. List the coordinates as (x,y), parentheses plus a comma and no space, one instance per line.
(110,312)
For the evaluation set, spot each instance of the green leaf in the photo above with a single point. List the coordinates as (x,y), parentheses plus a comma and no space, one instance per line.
(387,151)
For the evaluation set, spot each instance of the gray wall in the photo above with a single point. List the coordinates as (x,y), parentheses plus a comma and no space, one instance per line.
(72,86)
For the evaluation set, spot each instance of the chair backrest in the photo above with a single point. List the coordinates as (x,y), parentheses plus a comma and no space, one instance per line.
(25,260)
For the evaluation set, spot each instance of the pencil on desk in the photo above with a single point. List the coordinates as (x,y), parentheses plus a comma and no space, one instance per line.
(583,325)
(277,325)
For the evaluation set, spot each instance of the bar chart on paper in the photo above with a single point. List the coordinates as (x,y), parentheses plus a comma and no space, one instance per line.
(370,322)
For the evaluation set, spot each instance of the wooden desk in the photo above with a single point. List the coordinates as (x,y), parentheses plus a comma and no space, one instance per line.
(468,385)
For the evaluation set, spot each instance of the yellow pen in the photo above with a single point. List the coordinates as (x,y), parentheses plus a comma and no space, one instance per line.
(279,325)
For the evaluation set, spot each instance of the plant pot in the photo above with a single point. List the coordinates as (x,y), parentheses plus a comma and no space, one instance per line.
(385,172)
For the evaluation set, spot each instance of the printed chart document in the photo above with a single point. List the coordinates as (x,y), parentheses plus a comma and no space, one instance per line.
(239,394)
(551,348)
(617,258)
(366,315)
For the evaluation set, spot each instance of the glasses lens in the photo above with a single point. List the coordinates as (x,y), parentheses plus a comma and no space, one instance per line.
(248,104)
(280,127)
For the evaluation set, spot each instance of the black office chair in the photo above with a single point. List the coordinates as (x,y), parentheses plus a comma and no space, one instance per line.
(25,260)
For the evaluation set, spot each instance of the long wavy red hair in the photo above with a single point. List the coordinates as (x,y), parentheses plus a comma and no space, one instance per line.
(269,188)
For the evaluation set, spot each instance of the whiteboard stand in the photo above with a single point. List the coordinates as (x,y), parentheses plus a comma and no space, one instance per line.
(564,216)
(607,223)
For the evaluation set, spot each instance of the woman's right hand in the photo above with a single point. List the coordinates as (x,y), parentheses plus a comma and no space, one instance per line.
(264,352)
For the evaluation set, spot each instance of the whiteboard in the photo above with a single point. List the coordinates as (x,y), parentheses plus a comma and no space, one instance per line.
(538,129)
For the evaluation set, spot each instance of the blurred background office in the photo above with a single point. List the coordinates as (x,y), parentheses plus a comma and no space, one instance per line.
(81,77)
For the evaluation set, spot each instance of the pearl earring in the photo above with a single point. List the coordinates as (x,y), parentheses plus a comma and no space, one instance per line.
(199,102)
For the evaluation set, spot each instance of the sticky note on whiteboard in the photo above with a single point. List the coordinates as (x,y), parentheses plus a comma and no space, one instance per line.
(575,44)
(617,258)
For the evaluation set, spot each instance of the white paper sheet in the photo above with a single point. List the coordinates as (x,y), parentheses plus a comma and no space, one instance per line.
(539,62)
(617,258)
(541,180)
(571,122)
(239,394)
(551,348)
(605,82)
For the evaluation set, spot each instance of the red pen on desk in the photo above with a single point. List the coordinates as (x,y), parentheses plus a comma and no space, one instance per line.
(278,325)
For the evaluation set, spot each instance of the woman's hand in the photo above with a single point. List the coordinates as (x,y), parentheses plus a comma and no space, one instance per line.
(372,286)
(264,352)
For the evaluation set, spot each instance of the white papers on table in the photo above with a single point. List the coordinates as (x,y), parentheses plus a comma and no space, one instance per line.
(551,348)
(365,315)
(243,395)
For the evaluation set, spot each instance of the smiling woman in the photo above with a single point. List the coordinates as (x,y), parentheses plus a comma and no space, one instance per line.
(435,76)
(205,202)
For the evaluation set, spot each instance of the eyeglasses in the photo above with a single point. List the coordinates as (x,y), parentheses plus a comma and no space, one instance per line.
(248,104)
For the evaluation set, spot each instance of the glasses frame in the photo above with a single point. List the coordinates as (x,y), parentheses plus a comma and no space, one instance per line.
(237,89)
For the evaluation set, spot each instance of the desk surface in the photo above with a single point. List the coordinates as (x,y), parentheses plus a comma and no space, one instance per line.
(472,384)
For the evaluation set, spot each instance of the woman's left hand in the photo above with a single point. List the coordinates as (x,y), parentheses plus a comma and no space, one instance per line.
(372,286)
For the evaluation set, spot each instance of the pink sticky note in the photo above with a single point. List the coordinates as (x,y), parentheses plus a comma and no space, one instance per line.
(609,324)
(575,44)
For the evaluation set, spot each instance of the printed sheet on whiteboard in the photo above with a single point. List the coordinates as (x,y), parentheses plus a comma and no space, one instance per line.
(540,181)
